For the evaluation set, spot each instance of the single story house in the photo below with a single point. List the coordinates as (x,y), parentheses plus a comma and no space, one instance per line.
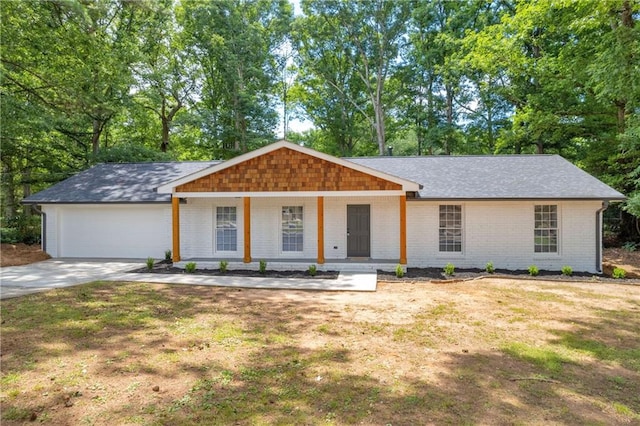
(291,205)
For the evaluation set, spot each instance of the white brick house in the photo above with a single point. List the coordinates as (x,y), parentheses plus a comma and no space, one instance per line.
(293,206)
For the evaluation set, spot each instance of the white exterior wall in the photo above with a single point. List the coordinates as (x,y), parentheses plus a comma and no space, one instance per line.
(502,232)
(108,230)
(197,227)
(385,226)
(266,228)
(197,220)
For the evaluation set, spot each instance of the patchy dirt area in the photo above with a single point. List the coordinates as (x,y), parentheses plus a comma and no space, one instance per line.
(621,258)
(21,254)
(490,351)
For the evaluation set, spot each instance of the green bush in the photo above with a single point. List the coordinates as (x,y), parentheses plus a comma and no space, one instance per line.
(150,262)
(223,266)
(489,268)
(190,267)
(449,269)
(619,273)
(167,255)
(399,271)
(9,235)
(21,229)
(630,246)
(567,271)
(313,270)
(533,270)
(263,267)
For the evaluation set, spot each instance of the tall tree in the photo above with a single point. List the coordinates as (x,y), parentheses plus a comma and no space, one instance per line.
(235,43)
(328,88)
(166,76)
(372,32)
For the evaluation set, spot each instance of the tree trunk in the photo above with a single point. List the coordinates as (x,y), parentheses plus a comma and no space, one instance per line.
(448,139)
(26,189)
(621,107)
(165,134)
(95,137)
(9,189)
(379,120)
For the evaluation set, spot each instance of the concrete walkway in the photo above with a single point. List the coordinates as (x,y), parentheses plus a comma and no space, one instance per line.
(55,273)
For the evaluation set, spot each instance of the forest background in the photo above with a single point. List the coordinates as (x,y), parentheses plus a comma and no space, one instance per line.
(87,81)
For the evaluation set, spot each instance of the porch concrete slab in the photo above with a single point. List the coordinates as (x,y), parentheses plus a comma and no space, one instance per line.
(346,281)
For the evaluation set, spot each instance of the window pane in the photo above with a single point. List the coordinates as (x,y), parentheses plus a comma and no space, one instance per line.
(450,232)
(545,229)
(292,228)
(226,229)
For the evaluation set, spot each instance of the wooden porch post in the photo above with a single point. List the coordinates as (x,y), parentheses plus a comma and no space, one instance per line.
(403,229)
(175,221)
(247,230)
(320,230)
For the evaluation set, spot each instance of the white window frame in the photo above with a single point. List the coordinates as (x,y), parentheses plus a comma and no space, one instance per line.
(448,227)
(226,210)
(546,224)
(289,225)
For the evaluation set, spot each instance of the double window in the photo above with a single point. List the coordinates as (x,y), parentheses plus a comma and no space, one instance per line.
(545,231)
(226,229)
(451,228)
(292,228)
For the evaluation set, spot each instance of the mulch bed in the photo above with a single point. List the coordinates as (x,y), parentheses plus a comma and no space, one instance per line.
(412,274)
(436,274)
(165,267)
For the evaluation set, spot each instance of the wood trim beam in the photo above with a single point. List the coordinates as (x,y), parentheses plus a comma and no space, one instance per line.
(247,229)
(403,229)
(175,223)
(320,230)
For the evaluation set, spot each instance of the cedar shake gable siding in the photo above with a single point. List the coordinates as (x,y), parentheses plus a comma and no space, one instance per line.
(287,170)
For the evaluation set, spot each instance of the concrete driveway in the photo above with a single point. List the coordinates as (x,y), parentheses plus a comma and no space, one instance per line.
(54,273)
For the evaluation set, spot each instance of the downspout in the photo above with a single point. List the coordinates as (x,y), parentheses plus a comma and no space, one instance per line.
(605,204)
(43,227)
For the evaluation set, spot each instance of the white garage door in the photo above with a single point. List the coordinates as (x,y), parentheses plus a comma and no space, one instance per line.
(130,231)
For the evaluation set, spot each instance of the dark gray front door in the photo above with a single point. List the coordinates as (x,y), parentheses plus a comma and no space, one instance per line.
(358,230)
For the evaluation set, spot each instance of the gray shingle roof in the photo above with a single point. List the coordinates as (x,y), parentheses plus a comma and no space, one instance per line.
(117,183)
(494,177)
(442,177)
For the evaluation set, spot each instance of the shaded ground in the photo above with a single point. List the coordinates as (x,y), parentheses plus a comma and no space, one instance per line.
(489,351)
(621,258)
(21,254)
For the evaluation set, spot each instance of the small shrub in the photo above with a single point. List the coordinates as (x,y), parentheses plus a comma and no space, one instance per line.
(489,268)
(618,273)
(150,262)
(399,271)
(223,266)
(313,270)
(449,269)
(190,267)
(533,270)
(630,246)
(567,271)
(263,267)
(167,255)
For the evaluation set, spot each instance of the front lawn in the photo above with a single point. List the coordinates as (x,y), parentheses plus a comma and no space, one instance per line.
(485,351)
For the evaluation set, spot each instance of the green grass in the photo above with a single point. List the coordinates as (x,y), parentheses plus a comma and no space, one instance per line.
(221,356)
(545,358)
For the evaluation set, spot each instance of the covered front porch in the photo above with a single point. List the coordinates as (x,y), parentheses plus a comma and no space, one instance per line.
(291,207)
